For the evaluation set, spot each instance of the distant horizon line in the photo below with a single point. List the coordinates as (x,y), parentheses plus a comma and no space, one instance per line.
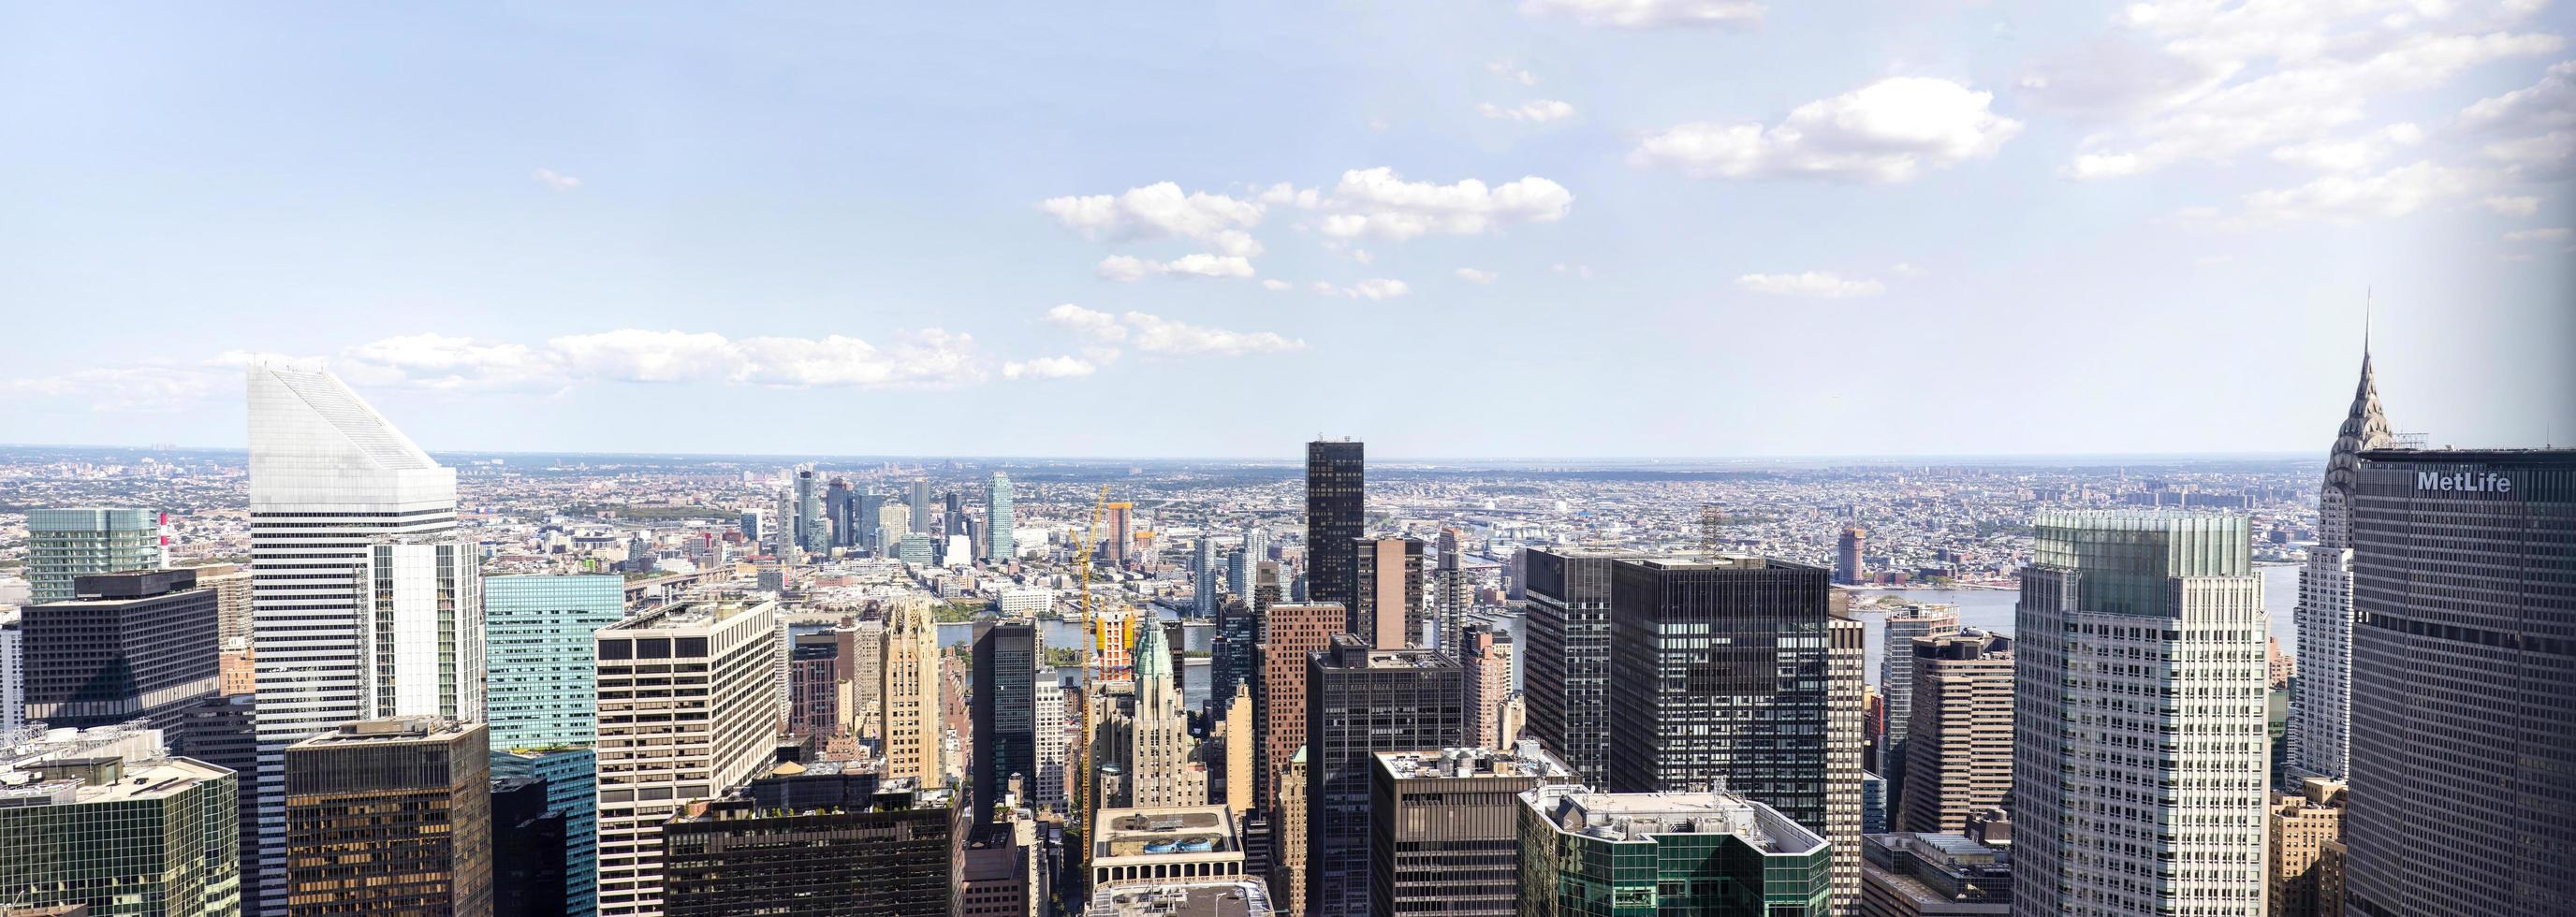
(1284,460)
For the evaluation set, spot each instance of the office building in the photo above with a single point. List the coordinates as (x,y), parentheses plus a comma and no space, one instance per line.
(2299,828)
(1896,686)
(1451,594)
(365,600)
(1336,516)
(1235,737)
(1959,759)
(998,520)
(222,731)
(1053,737)
(1565,669)
(1120,519)
(754,526)
(1486,655)
(1753,716)
(1146,845)
(1874,817)
(814,685)
(1141,737)
(688,707)
(1244,565)
(139,645)
(1934,875)
(1847,570)
(1846,705)
(1296,631)
(1361,700)
(1230,651)
(528,849)
(896,854)
(390,816)
(1203,589)
(1444,830)
(63,544)
(999,874)
(2464,633)
(1586,853)
(1184,898)
(918,501)
(863,670)
(2138,788)
(1004,713)
(840,511)
(2320,728)
(1387,586)
(539,674)
(570,775)
(231,583)
(119,833)
(13,675)
(909,695)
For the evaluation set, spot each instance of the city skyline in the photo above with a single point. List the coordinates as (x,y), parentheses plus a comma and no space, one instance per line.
(1906,228)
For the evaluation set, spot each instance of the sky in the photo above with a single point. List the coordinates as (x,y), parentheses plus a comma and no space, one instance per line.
(1453,229)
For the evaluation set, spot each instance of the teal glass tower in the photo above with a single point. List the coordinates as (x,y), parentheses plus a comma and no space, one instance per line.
(64,543)
(997,520)
(540,688)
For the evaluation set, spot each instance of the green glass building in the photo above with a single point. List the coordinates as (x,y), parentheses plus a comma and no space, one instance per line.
(146,837)
(540,687)
(1588,854)
(64,543)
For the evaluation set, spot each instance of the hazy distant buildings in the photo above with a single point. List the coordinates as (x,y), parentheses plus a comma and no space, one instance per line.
(366,602)
(1959,759)
(2464,676)
(665,741)
(67,543)
(998,520)
(1361,700)
(390,816)
(1336,515)
(1386,586)
(2320,732)
(2139,755)
(1586,853)
(125,646)
(1847,569)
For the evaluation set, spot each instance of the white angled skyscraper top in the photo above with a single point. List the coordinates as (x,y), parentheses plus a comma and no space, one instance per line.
(365,602)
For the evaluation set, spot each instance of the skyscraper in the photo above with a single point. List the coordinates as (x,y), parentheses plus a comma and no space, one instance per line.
(390,816)
(1203,575)
(1361,700)
(2462,682)
(2139,687)
(1121,521)
(895,854)
(812,529)
(998,520)
(1565,669)
(1336,514)
(120,834)
(1444,830)
(840,509)
(1847,555)
(1293,632)
(675,740)
(920,504)
(539,673)
(1004,713)
(2299,828)
(1054,737)
(366,603)
(1386,577)
(1585,853)
(1486,654)
(909,693)
(2320,733)
(1896,688)
(1149,734)
(1231,651)
(126,646)
(67,543)
(1963,706)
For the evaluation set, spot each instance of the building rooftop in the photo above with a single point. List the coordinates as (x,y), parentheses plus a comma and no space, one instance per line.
(390,729)
(84,781)
(1466,763)
(1238,898)
(1637,817)
(1164,832)
(687,614)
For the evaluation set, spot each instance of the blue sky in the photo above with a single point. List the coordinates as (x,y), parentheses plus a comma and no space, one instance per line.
(1544,228)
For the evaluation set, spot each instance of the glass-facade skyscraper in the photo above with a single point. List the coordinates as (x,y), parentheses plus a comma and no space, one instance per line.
(66,543)
(997,520)
(1361,700)
(541,678)
(1336,515)
(2464,679)
(1003,710)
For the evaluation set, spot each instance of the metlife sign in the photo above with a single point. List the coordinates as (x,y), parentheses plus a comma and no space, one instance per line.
(2486,482)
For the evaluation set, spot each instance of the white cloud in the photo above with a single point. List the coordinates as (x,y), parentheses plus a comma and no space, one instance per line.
(1651,14)
(2553,148)
(1574,270)
(2352,154)
(145,389)
(1371,288)
(2544,234)
(1129,269)
(2550,103)
(928,358)
(1158,211)
(1511,71)
(1164,337)
(556,180)
(1472,275)
(1536,110)
(1905,269)
(1379,203)
(2513,205)
(1275,285)
(2344,198)
(1887,131)
(1048,368)
(1809,283)
(1098,326)
(435,361)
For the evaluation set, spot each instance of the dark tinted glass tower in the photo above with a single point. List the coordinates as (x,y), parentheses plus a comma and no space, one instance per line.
(920,505)
(390,816)
(1565,669)
(1230,662)
(897,855)
(138,645)
(1718,680)
(527,850)
(1336,510)
(2463,679)
(1362,700)
(1004,711)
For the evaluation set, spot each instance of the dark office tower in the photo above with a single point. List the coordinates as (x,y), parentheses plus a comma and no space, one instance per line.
(1386,576)
(814,677)
(1959,756)
(1004,713)
(2463,676)
(867,509)
(1847,555)
(390,816)
(1444,830)
(1565,669)
(1896,689)
(1336,513)
(527,850)
(896,855)
(1230,662)
(1718,679)
(952,516)
(809,511)
(1292,632)
(840,509)
(1361,700)
(127,646)
(920,505)
(219,730)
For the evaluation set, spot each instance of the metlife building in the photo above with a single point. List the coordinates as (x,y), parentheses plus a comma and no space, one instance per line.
(2464,684)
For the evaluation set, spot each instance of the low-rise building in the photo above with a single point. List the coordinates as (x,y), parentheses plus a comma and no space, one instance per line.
(1131,846)
(1667,853)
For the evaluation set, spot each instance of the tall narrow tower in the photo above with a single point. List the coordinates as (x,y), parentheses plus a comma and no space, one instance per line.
(997,520)
(911,693)
(1336,513)
(365,602)
(2321,703)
